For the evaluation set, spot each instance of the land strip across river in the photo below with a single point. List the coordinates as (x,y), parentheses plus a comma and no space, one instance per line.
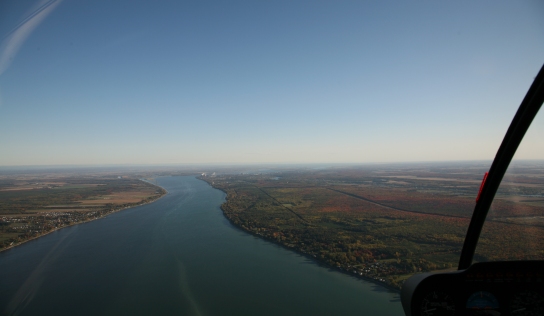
(33,206)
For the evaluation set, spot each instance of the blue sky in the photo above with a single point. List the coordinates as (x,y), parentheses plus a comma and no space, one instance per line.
(139,82)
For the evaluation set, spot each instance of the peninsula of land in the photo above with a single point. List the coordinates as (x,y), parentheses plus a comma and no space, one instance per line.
(386,223)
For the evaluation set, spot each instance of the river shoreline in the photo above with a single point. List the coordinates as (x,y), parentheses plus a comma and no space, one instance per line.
(308,256)
(177,256)
(90,220)
(314,259)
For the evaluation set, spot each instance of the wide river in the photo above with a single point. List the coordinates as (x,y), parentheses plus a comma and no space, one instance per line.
(176,256)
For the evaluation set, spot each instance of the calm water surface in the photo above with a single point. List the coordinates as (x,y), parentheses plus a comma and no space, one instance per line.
(176,256)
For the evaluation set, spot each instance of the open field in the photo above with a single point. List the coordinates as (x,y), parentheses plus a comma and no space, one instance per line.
(120,198)
(19,196)
(385,222)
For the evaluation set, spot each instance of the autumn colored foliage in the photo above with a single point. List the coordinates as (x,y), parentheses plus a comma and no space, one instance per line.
(384,228)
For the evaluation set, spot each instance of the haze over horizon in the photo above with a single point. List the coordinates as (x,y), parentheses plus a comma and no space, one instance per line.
(143,83)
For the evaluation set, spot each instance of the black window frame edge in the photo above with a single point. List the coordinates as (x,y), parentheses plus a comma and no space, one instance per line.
(520,124)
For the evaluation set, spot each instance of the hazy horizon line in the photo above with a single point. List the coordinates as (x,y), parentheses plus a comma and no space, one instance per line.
(251,164)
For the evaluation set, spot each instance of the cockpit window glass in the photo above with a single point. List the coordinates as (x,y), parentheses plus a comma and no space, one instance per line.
(514,227)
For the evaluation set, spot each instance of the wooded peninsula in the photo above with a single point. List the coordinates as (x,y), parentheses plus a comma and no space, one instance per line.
(386,223)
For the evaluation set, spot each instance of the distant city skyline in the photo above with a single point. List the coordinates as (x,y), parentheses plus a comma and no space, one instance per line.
(290,82)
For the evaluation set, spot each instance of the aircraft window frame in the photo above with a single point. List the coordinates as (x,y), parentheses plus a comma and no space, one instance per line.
(508,286)
(520,124)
